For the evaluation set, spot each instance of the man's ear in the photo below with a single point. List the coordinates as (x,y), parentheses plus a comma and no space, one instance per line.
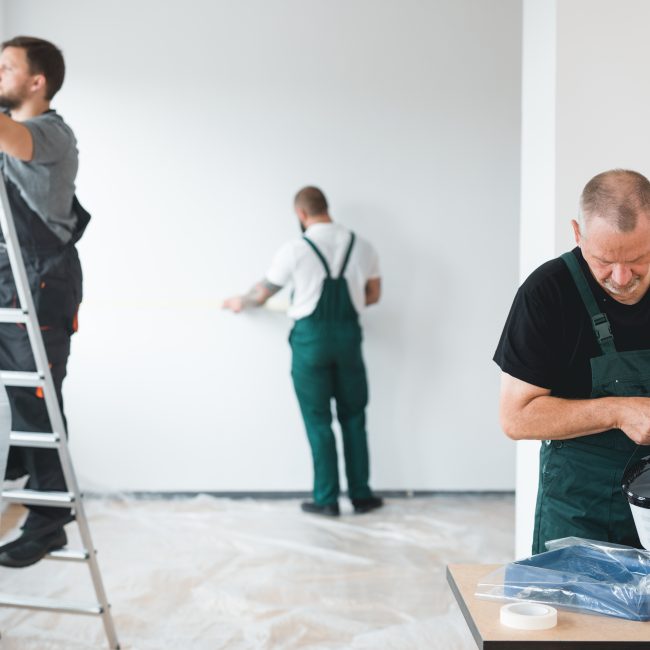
(576,231)
(38,83)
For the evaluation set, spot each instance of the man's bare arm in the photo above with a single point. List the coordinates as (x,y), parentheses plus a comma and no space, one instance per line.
(15,139)
(373,291)
(528,412)
(256,297)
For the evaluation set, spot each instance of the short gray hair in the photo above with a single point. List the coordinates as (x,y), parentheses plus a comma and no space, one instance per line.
(619,196)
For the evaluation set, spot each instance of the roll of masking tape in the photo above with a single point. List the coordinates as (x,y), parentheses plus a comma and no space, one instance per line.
(528,616)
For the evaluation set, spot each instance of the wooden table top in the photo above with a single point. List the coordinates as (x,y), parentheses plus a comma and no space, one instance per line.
(574,631)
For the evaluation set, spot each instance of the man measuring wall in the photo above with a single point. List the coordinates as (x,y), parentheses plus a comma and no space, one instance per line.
(334,276)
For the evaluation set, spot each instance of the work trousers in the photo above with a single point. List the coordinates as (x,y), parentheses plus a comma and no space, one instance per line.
(29,412)
(580,493)
(327,365)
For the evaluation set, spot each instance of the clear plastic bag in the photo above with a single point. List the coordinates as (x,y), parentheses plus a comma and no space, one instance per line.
(578,574)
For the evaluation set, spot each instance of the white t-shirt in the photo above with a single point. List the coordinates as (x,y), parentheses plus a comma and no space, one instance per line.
(296,262)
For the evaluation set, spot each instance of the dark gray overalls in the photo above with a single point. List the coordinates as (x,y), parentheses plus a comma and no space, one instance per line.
(55,279)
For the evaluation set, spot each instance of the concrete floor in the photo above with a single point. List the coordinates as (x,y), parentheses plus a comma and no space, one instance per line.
(207,573)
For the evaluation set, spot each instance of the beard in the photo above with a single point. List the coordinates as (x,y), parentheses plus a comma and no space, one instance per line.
(619,290)
(10,103)
(14,98)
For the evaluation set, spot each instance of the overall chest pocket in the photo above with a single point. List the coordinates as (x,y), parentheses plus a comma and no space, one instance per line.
(622,374)
(637,387)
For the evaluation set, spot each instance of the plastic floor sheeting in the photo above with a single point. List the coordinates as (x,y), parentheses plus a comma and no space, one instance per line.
(209,573)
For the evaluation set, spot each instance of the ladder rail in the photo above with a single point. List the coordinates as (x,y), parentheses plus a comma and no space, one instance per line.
(46,605)
(52,405)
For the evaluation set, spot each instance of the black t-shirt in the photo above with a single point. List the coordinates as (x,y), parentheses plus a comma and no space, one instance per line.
(548,339)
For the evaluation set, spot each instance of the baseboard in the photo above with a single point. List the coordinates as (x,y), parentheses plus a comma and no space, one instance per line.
(280,495)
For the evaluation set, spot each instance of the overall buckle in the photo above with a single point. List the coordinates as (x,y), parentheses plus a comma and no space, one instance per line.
(602,328)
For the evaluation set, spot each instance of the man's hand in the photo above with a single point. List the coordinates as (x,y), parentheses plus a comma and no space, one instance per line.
(235,304)
(256,297)
(633,418)
(373,291)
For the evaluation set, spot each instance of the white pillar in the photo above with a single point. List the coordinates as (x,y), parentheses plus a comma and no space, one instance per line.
(537,235)
(584,110)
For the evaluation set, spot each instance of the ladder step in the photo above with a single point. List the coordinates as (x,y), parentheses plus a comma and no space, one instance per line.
(28,439)
(66,555)
(37,498)
(26,379)
(13,316)
(45,604)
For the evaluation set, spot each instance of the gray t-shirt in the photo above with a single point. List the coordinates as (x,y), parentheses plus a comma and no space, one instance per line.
(46,182)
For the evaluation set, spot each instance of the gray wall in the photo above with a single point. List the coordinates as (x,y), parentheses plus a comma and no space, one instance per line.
(197,122)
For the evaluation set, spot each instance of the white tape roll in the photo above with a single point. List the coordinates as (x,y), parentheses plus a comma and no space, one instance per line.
(528,616)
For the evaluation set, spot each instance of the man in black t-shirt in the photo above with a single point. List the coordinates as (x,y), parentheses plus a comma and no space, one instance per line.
(575,356)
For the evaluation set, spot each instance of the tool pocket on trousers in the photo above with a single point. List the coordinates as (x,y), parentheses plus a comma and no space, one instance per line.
(55,302)
(554,461)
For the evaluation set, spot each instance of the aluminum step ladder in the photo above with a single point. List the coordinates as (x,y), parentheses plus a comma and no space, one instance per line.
(56,439)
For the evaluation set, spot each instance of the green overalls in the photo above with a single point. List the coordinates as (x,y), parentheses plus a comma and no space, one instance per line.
(580,479)
(326,364)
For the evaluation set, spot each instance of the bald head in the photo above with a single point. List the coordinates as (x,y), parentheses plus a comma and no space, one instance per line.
(619,196)
(312,201)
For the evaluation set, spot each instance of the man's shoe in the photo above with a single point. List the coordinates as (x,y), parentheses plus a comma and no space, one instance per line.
(366,505)
(33,550)
(328,510)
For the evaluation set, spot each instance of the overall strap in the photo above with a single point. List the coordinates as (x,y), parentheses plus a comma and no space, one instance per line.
(599,321)
(320,256)
(347,255)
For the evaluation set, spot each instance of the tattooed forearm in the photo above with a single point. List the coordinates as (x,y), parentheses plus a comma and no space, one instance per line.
(256,297)
(270,287)
(260,293)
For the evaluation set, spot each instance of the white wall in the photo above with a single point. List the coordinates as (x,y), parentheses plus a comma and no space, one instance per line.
(591,104)
(197,122)
(602,117)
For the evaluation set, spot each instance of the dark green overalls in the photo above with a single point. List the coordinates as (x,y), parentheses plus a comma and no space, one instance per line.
(580,479)
(326,364)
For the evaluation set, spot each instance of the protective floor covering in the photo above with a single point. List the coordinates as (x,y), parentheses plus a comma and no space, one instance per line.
(207,573)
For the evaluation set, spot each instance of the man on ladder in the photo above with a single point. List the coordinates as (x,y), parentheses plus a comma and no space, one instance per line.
(334,276)
(39,161)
